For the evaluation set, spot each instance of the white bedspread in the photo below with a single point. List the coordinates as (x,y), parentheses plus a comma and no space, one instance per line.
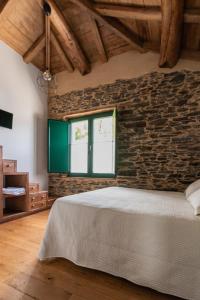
(151,238)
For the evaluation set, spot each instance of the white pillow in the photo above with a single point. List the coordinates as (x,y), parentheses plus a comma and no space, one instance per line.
(192,188)
(194,199)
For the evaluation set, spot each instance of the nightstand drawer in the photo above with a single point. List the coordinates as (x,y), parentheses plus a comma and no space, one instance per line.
(43,196)
(38,205)
(34,197)
(33,187)
(9,166)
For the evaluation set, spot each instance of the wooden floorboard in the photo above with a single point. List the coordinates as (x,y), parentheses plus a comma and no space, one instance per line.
(23,277)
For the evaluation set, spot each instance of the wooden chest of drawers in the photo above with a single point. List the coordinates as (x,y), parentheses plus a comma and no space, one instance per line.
(34,187)
(9,166)
(38,200)
(38,205)
(33,197)
(43,196)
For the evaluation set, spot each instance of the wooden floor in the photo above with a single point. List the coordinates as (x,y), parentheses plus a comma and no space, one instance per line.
(22,276)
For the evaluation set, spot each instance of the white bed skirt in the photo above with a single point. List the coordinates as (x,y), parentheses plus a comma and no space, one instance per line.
(150,238)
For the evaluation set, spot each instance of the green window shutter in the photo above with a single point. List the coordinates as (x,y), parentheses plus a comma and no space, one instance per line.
(58,149)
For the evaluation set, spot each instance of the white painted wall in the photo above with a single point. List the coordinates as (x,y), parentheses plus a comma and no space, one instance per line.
(124,66)
(20,95)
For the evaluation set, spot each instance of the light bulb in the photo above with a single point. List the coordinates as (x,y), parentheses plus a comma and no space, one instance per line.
(47,75)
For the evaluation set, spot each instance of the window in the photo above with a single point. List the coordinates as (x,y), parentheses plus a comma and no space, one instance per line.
(83,146)
(92,145)
(79,147)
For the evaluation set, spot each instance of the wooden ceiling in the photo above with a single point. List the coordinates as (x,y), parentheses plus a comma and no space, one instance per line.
(86,31)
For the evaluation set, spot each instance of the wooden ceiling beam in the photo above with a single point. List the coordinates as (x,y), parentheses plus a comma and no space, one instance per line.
(142,13)
(34,49)
(3,4)
(129,12)
(113,24)
(73,48)
(98,40)
(61,53)
(171,32)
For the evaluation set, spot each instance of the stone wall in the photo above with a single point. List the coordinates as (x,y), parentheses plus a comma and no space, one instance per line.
(158,131)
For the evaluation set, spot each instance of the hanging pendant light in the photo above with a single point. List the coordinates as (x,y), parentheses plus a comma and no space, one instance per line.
(46,80)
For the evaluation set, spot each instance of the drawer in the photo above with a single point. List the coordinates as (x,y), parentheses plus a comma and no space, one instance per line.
(43,196)
(34,197)
(38,205)
(33,187)
(50,202)
(9,166)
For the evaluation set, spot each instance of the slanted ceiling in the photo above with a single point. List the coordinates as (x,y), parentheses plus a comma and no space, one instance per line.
(102,29)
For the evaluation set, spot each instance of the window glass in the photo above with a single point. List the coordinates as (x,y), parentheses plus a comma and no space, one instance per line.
(79,147)
(103,145)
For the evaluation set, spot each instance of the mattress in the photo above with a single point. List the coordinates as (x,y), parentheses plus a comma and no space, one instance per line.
(151,238)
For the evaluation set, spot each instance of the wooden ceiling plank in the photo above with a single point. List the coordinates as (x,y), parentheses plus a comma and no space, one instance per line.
(98,40)
(189,54)
(192,16)
(61,53)
(34,49)
(113,24)
(73,48)
(172,26)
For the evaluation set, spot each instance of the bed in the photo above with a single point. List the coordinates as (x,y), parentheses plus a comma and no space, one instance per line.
(151,238)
